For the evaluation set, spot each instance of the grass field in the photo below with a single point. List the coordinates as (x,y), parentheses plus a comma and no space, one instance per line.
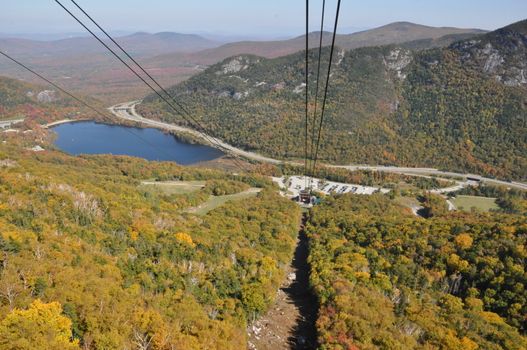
(409,202)
(480,203)
(217,201)
(173,187)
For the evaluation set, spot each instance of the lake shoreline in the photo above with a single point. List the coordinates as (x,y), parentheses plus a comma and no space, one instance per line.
(188,139)
(98,137)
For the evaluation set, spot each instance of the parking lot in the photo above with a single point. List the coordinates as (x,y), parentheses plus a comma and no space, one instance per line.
(292,186)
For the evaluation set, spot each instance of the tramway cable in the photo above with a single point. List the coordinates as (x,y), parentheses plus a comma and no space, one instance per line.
(84,103)
(319,136)
(200,128)
(317,88)
(307,97)
(129,56)
(185,111)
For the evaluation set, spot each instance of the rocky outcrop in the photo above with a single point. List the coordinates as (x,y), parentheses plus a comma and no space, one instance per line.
(236,65)
(240,95)
(493,59)
(47,96)
(278,86)
(397,60)
(501,55)
(299,88)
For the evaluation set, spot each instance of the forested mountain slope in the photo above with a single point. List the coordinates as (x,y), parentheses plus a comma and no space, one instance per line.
(89,259)
(19,99)
(386,279)
(461,108)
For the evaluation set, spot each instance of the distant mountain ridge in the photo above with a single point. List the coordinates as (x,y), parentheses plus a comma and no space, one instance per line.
(394,33)
(140,43)
(83,65)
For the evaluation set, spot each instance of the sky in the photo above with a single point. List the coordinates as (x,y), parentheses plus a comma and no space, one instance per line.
(258,18)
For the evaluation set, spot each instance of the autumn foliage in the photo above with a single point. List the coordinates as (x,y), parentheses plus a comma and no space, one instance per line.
(386,279)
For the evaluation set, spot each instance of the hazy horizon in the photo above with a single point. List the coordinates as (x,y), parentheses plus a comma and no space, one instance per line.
(269,19)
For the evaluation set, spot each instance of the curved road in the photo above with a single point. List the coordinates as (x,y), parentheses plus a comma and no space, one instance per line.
(127,111)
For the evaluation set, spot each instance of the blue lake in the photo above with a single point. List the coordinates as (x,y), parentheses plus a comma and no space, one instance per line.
(152,144)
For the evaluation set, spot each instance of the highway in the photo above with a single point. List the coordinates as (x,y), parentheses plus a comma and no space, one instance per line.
(128,112)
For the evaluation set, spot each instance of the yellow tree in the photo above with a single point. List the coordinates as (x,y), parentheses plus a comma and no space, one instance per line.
(41,327)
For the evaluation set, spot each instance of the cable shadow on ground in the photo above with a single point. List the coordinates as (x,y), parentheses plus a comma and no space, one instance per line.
(304,333)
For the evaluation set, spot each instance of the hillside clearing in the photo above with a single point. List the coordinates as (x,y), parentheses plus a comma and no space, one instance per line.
(172,187)
(480,203)
(217,201)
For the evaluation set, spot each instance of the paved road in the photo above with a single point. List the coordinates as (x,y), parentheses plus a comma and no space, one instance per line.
(127,111)
(58,122)
(432,171)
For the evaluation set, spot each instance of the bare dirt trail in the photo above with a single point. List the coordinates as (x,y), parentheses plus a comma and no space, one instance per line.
(290,322)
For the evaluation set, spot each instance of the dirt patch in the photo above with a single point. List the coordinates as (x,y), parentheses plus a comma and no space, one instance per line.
(290,322)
